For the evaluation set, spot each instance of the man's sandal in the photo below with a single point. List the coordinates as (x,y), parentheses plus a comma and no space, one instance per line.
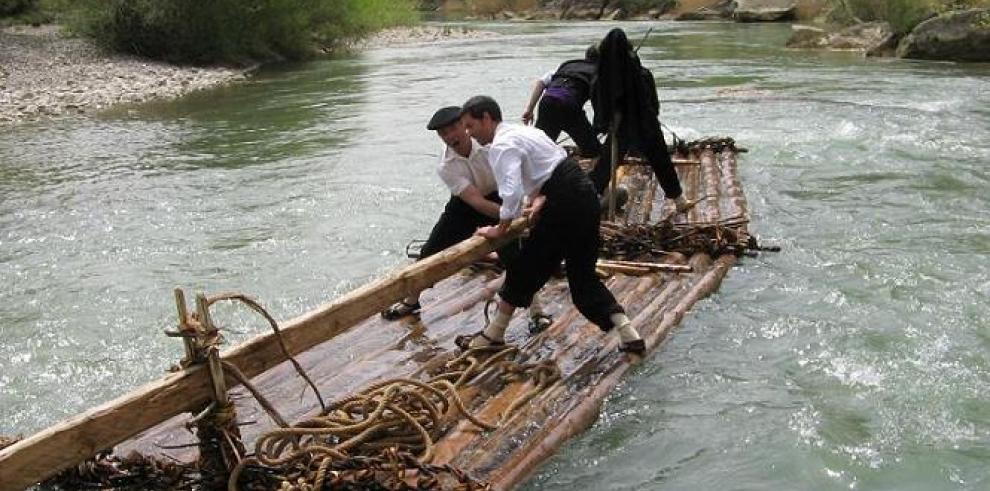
(539,323)
(399,310)
(637,347)
(464,341)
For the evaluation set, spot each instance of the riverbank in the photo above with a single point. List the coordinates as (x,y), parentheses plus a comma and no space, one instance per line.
(45,73)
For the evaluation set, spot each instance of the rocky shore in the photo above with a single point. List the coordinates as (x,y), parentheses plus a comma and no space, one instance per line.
(45,73)
(422,34)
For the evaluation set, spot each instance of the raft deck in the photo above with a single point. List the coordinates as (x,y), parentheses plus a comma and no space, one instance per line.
(588,359)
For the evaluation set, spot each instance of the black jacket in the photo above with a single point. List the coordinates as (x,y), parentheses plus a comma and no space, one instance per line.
(625,86)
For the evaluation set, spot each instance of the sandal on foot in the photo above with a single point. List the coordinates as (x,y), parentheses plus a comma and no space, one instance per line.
(464,341)
(539,323)
(637,347)
(401,309)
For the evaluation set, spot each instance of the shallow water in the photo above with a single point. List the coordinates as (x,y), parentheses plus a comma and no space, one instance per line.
(857,358)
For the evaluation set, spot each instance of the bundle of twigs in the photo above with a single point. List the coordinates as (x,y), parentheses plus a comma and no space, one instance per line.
(132,472)
(715,143)
(639,242)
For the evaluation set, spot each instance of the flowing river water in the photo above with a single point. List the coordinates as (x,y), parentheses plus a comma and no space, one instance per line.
(857,358)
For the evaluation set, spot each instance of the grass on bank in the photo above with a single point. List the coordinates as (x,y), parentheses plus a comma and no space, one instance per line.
(219,31)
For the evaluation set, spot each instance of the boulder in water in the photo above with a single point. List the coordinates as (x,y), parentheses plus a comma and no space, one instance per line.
(764,11)
(867,36)
(720,11)
(959,36)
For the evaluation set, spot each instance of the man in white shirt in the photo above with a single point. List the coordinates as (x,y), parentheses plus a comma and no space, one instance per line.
(565,208)
(473,203)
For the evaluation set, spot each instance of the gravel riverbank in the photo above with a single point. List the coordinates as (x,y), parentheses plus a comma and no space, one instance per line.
(45,73)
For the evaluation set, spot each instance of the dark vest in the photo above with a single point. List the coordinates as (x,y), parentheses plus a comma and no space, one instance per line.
(577,76)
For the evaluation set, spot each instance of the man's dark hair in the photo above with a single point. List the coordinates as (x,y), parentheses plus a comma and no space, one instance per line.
(478,105)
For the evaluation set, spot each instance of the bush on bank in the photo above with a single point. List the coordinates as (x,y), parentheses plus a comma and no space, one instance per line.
(233,31)
(14,7)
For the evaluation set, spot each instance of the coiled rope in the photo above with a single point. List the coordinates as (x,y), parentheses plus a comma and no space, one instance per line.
(390,421)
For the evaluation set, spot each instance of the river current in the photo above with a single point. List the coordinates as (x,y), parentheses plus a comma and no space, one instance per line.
(856,358)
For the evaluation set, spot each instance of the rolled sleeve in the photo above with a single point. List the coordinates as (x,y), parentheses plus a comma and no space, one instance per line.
(546,78)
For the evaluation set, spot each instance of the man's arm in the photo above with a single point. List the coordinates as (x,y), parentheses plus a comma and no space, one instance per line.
(534,97)
(538,87)
(473,197)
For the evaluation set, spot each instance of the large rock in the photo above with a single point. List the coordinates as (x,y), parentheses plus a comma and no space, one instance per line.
(720,11)
(960,36)
(867,36)
(764,11)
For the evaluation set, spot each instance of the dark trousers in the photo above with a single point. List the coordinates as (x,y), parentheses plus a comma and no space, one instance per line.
(556,115)
(567,228)
(655,152)
(457,223)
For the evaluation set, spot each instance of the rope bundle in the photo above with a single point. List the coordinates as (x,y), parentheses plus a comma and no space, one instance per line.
(388,422)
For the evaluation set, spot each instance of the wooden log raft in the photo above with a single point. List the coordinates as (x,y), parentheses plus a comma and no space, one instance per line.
(342,360)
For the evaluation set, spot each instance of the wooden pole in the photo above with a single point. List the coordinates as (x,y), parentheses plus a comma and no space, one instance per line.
(675,268)
(180,307)
(614,152)
(78,438)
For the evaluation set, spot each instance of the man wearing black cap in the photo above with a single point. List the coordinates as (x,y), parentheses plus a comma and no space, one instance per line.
(528,164)
(474,202)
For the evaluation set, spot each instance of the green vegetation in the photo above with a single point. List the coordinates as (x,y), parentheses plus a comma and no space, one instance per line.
(902,15)
(14,7)
(224,31)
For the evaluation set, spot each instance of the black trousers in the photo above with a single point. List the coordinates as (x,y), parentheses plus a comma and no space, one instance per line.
(655,152)
(567,229)
(457,223)
(556,115)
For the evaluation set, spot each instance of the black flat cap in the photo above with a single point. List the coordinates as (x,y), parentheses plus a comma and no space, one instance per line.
(443,117)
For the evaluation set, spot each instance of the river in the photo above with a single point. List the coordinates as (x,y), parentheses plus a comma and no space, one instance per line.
(856,358)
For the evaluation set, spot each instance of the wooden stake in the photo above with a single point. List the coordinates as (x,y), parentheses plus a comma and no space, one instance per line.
(613,176)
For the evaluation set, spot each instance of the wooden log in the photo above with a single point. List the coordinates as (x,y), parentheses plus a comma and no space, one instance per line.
(624,269)
(613,172)
(673,268)
(710,180)
(73,440)
(675,160)
(511,453)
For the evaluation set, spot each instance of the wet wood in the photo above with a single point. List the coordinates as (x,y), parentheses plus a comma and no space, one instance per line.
(71,441)
(675,268)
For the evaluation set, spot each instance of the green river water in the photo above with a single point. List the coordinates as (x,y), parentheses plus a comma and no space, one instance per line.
(857,358)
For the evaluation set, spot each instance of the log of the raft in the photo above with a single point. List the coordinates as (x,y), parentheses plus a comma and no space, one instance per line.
(585,407)
(71,441)
(624,269)
(673,268)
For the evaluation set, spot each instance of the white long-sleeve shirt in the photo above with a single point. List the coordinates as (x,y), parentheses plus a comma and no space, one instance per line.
(522,159)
